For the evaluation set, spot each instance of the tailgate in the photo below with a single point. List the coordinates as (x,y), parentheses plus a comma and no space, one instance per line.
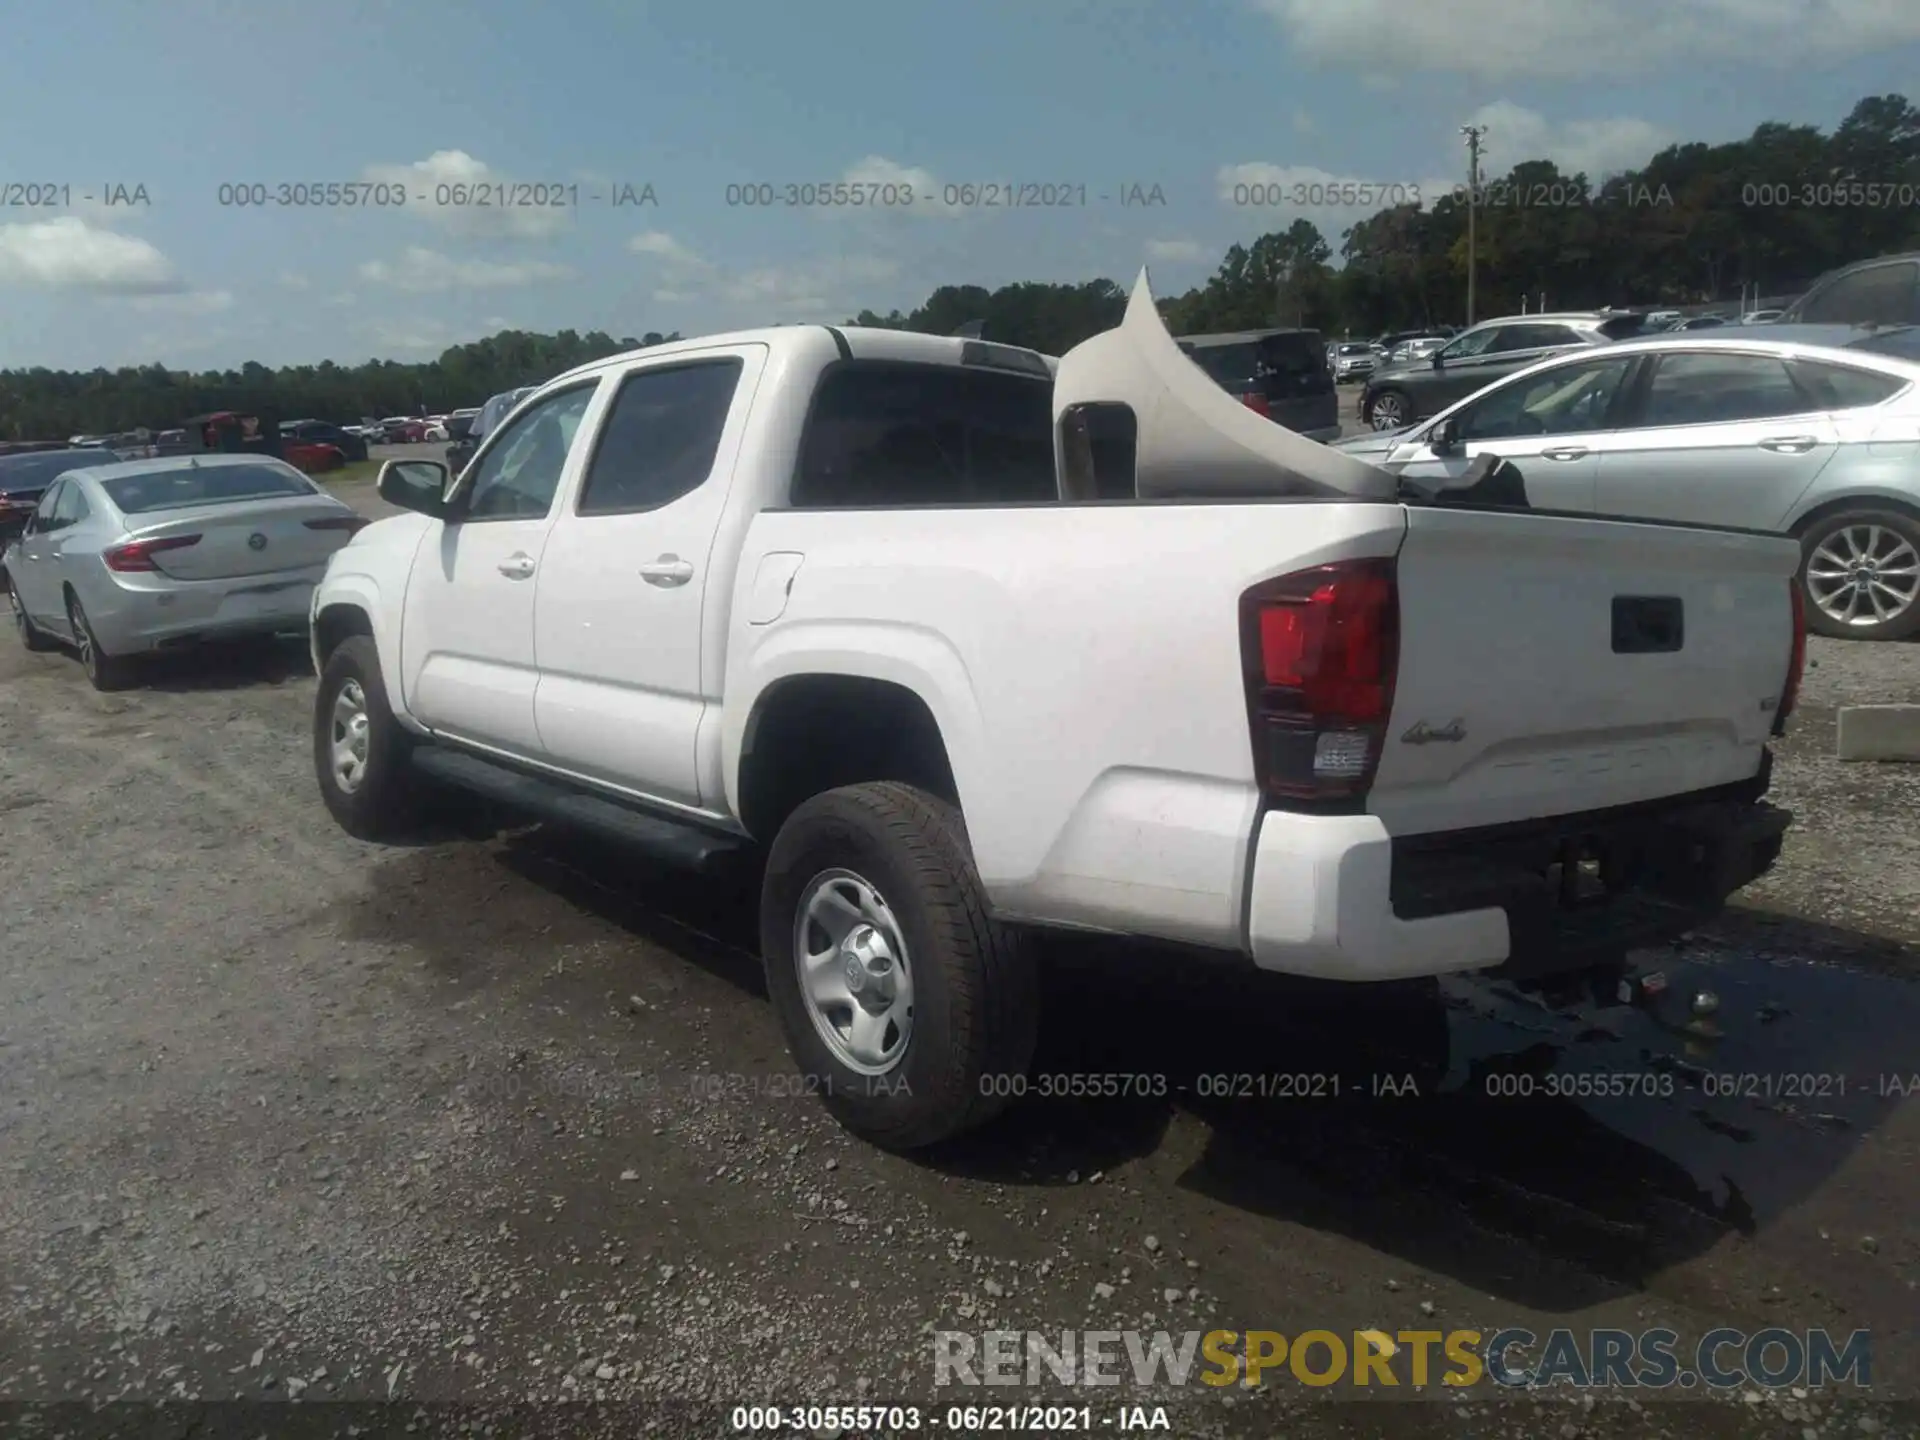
(1555,665)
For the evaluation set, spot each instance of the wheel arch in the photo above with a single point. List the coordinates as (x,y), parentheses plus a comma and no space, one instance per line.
(813,731)
(1860,500)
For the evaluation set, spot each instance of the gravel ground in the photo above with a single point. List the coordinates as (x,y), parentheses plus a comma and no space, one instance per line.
(502,1119)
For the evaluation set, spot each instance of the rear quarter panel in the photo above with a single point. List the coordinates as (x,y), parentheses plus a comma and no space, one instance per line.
(1084,666)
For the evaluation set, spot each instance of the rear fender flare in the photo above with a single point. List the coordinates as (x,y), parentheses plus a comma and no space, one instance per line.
(916,659)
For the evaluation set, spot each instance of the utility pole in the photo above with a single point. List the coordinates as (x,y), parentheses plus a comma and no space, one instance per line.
(1473,134)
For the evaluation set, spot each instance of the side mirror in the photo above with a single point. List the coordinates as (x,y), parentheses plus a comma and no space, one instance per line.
(1438,362)
(1445,439)
(417,485)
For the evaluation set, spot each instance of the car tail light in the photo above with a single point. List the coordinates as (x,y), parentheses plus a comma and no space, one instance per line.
(137,555)
(1256,401)
(1797,658)
(1320,649)
(352,524)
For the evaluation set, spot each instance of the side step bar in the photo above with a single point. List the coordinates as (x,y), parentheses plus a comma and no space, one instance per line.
(672,842)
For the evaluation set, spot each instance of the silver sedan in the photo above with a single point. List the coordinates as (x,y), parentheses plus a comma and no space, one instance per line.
(122,559)
(1808,431)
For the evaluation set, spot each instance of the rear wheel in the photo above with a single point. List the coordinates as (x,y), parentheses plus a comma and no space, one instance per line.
(360,752)
(1861,570)
(909,1008)
(31,635)
(104,671)
(1389,410)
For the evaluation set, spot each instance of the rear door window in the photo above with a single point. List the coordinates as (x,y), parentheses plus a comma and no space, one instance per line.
(886,434)
(1719,388)
(1841,387)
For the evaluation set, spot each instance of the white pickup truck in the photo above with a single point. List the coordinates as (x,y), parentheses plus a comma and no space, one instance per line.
(955,641)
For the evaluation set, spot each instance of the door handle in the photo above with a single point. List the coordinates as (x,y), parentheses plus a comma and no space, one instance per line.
(517,567)
(667,570)
(1789,444)
(1567,452)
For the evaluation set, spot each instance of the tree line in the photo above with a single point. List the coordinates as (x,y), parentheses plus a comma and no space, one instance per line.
(1697,223)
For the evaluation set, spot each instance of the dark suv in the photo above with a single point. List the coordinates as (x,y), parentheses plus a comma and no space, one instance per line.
(1398,395)
(1885,291)
(1282,374)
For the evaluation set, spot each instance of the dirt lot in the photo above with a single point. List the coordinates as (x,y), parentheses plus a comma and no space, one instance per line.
(503,1119)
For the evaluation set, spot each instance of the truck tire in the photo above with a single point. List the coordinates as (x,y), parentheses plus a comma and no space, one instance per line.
(922,1011)
(360,752)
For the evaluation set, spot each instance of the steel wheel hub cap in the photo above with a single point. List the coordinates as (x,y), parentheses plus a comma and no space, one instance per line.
(1864,575)
(851,962)
(348,737)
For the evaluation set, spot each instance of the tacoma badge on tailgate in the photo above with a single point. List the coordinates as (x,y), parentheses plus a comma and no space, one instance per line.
(1452,733)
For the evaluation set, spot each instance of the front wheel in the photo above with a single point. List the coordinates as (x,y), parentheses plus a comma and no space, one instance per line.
(360,752)
(910,1009)
(31,635)
(1861,570)
(1389,410)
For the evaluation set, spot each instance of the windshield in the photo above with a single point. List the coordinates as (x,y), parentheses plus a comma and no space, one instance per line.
(204,485)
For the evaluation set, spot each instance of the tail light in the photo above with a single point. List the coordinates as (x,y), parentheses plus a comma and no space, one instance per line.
(137,555)
(1797,658)
(1256,401)
(1320,649)
(352,524)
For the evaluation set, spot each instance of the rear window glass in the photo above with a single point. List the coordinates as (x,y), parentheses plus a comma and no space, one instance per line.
(204,485)
(1841,387)
(896,434)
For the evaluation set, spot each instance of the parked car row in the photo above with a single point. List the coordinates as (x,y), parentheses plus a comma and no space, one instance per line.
(121,559)
(1800,430)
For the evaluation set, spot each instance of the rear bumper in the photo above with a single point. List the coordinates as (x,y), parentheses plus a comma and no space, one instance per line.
(1338,898)
(129,619)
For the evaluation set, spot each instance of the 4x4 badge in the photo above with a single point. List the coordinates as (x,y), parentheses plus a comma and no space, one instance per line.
(1452,733)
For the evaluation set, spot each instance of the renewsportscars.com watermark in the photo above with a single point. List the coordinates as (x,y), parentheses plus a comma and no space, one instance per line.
(1516,1358)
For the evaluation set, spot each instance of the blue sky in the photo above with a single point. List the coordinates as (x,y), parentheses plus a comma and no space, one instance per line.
(1191,96)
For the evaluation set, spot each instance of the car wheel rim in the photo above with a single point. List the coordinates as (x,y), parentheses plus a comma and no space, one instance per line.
(19,610)
(348,731)
(83,637)
(1386,413)
(1862,575)
(855,980)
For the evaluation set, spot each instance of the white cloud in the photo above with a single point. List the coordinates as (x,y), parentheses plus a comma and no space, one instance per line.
(1176,251)
(1303,123)
(1274,196)
(928,194)
(663,246)
(674,297)
(828,289)
(68,253)
(1595,148)
(391,335)
(424,270)
(1562,38)
(437,185)
(187,302)
(294,280)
